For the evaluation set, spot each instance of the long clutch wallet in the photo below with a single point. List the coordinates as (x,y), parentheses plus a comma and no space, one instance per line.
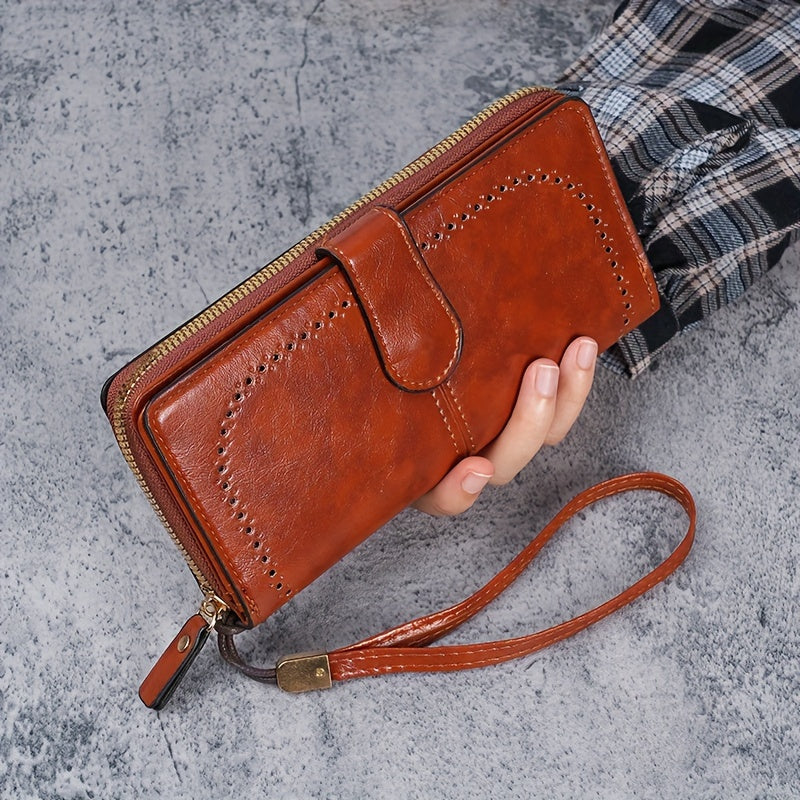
(285,423)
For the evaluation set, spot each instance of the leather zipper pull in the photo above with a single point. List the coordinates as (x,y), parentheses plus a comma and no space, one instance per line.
(168,671)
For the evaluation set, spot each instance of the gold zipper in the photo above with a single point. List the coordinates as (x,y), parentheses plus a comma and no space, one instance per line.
(259,278)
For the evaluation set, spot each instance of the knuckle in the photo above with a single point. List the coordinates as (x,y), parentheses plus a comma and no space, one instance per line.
(555,437)
(501,478)
(447,508)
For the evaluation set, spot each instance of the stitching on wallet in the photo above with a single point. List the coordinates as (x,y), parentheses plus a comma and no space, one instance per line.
(375,318)
(423,271)
(446,421)
(452,395)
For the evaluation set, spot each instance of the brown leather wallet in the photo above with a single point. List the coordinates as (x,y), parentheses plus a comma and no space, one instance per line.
(285,423)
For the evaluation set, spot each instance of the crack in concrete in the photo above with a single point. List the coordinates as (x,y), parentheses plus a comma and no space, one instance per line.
(753,338)
(169,749)
(306,178)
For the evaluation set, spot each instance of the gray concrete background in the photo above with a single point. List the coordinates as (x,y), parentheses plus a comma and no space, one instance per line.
(152,156)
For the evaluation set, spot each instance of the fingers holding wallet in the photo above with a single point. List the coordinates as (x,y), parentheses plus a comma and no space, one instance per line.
(550,399)
(574,383)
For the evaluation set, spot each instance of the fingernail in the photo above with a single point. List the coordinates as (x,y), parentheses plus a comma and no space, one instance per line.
(587,352)
(546,381)
(474,481)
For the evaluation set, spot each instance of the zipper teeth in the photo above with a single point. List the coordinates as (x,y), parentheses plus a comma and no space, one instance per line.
(122,438)
(259,278)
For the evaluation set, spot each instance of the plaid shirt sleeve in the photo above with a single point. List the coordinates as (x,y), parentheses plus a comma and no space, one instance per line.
(699,107)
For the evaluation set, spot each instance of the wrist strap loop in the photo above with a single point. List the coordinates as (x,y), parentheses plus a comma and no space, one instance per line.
(405,648)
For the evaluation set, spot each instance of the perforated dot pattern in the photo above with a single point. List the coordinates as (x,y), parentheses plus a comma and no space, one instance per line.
(248,383)
(539,177)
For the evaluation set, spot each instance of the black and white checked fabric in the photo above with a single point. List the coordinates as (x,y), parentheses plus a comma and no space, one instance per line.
(699,106)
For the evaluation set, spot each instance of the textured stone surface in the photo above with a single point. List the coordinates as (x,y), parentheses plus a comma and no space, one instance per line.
(151,158)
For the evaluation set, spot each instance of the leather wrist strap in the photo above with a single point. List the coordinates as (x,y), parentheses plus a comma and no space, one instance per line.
(405,647)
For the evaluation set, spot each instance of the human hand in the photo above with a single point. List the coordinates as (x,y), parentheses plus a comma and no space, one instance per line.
(550,399)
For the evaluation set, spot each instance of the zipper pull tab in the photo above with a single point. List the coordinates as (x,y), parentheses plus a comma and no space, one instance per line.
(164,677)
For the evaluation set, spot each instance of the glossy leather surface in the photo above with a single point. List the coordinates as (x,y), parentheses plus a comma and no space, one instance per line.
(127,393)
(301,435)
(416,332)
